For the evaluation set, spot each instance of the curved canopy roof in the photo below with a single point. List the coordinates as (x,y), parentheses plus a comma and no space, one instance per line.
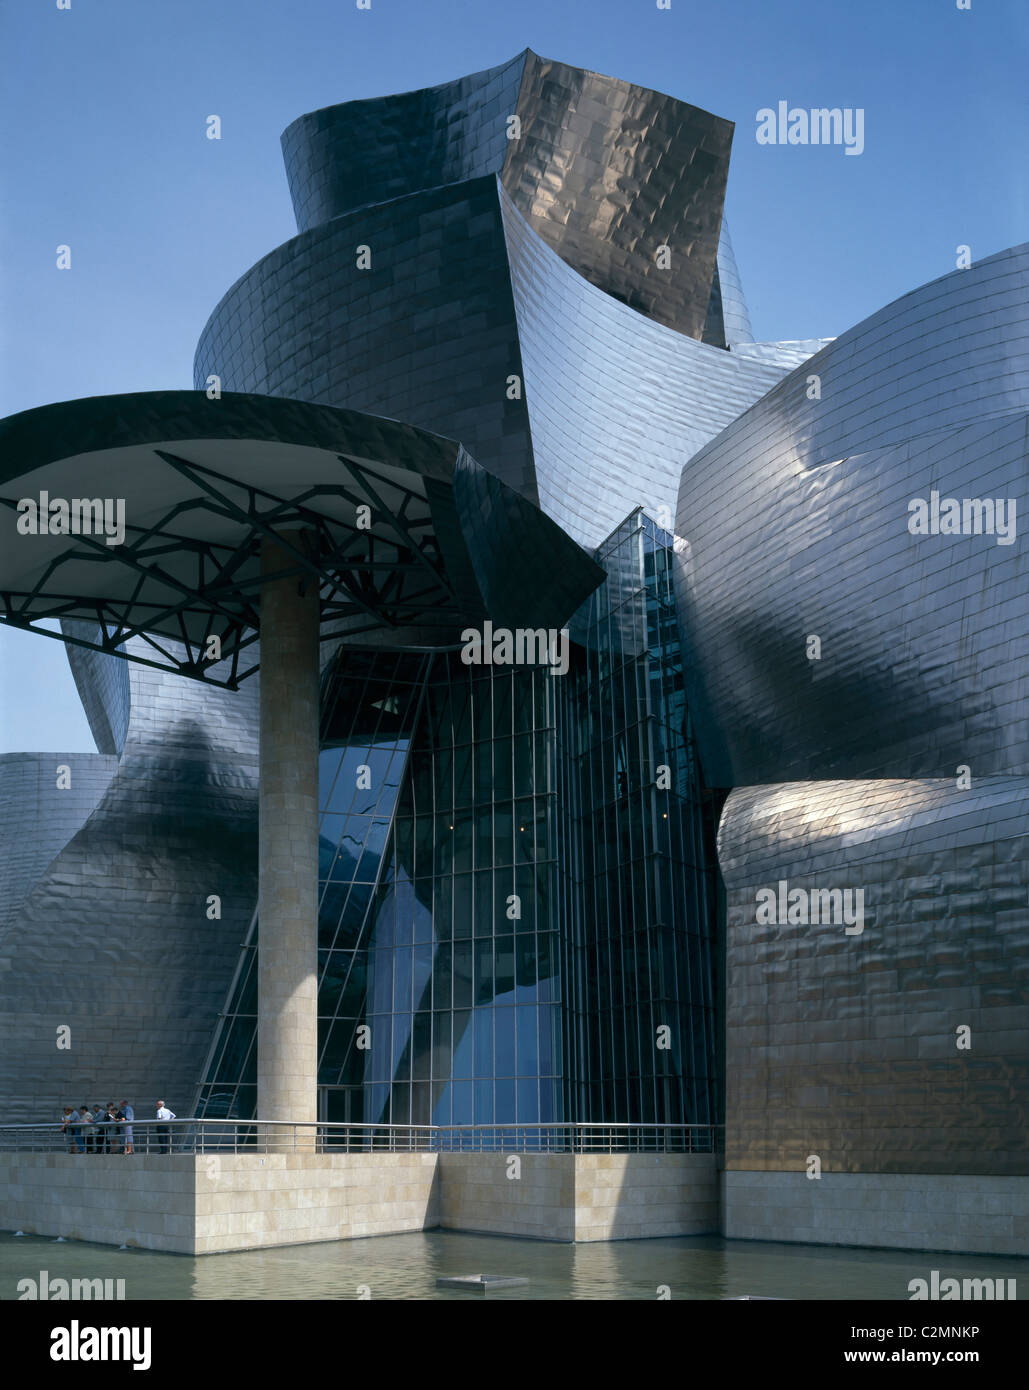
(145,515)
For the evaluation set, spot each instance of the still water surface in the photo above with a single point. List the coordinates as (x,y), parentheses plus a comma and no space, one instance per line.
(407,1266)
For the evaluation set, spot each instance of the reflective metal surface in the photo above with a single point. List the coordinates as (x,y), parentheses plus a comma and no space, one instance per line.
(847,1046)
(511,294)
(617,405)
(427,334)
(606,172)
(115,940)
(796,523)
(514,298)
(728,316)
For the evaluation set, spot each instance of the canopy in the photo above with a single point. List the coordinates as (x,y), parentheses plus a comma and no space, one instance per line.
(148,512)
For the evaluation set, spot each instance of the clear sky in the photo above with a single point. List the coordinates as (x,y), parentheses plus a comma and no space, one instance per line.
(105,106)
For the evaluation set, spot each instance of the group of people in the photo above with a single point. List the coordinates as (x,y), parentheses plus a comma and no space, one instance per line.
(98,1129)
(102,1129)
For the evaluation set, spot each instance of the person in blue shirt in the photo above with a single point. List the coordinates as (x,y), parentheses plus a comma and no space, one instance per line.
(127,1114)
(74,1130)
(69,1126)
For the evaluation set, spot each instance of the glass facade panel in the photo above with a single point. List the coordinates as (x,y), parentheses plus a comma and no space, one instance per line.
(517,914)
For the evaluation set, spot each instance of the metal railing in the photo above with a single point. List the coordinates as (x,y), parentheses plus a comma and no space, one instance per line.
(196,1136)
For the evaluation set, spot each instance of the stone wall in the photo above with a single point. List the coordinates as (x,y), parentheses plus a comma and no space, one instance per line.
(477,1195)
(289,1199)
(981,1214)
(109,1198)
(208,1204)
(203,1205)
(633,1196)
(581,1196)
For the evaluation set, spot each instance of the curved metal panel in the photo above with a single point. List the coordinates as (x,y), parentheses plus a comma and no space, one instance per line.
(734,311)
(427,334)
(103,687)
(38,817)
(608,174)
(345,157)
(529,573)
(116,940)
(611,175)
(51,434)
(617,404)
(796,526)
(847,1045)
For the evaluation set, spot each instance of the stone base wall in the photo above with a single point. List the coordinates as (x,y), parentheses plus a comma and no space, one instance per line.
(208,1204)
(110,1198)
(581,1197)
(965,1213)
(477,1195)
(633,1196)
(289,1199)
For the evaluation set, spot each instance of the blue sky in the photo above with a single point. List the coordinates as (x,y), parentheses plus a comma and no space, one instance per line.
(105,107)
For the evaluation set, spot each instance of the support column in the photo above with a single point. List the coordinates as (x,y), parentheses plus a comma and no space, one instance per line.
(287,978)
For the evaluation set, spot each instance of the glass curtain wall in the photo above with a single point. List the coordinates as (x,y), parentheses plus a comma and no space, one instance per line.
(370,703)
(642,941)
(464,987)
(517,916)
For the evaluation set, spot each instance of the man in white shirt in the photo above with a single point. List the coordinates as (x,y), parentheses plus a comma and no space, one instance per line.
(163,1132)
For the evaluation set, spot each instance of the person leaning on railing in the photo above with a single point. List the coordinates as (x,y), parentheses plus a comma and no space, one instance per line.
(70,1127)
(109,1129)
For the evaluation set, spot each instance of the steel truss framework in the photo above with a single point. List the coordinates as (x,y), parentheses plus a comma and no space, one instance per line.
(369,580)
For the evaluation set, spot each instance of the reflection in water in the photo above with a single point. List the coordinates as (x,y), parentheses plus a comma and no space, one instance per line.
(407,1266)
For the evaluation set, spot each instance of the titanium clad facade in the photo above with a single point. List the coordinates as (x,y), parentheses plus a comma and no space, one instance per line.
(733,313)
(796,524)
(616,404)
(461,300)
(607,173)
(848,1046)
(521,918)
(104,687)
(114,938)
(38,818)
(507,302)
(827,640)
(426,335)
(359,153)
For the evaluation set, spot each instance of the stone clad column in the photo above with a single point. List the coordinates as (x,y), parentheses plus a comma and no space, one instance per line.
(287,979)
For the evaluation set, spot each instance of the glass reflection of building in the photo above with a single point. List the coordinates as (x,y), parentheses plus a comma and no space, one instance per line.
(516,898)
